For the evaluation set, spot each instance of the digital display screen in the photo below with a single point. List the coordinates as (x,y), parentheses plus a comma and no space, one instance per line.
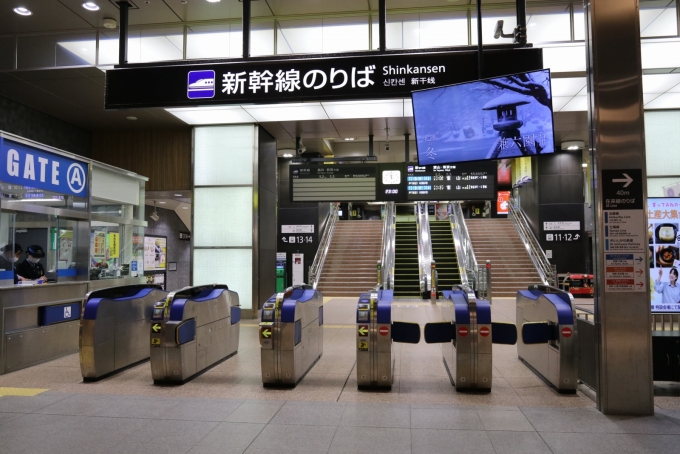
(333,183)
(501,117)
(468,181)
(664,253)
(158,312)
(268,314)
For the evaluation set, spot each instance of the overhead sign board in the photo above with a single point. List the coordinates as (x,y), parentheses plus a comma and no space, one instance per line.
(28,166)
(362,75)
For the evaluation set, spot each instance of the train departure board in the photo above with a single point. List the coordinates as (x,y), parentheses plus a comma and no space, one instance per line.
(462,181)
(333,183)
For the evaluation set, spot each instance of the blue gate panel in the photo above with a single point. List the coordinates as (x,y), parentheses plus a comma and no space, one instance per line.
(49,315)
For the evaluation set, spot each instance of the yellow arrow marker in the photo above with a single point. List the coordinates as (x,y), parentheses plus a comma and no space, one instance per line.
(156,327)
(266,333)
(363,330)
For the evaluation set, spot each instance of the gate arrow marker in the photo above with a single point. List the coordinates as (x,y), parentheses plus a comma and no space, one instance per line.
(363,331)
(628,180)
(156,327)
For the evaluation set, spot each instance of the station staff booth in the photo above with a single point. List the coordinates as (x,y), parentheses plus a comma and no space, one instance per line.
(88,218)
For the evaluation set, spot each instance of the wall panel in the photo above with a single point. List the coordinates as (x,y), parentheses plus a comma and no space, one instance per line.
(162,155)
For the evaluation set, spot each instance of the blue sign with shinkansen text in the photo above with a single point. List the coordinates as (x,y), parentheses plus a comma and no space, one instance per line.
(27,166)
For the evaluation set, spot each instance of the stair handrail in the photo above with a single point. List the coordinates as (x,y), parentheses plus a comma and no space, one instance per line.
(424,246)
(388,247)
(533,247)
(324,244)
(467,262)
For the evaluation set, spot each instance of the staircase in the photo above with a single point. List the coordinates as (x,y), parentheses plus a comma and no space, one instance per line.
(511,267)
(406,269)
(444,253)
(350,266)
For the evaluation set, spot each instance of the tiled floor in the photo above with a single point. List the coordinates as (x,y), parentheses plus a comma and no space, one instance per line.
(227,409)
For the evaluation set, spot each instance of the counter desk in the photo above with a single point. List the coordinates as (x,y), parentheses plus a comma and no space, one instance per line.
(41,322)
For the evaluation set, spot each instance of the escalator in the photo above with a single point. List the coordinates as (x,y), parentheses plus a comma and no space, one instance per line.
(406,269)
(444,254)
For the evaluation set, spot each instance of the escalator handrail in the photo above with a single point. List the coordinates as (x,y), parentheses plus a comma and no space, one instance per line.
(534,249)
(467,263)
(424,246)
(388,247)
(325,243)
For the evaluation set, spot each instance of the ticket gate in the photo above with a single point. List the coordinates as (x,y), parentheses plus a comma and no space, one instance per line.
(114,328)
(375,333)
(291,335)
(192,330)
(548,344)
(468,335)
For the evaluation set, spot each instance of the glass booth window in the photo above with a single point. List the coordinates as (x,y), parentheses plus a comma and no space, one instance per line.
(116,250)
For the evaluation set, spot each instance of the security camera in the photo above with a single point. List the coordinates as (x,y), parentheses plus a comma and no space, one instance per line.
(498,32)
(387,146)
(301,150)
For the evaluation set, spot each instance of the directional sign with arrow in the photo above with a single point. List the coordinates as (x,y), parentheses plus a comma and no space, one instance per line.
(363,330)
(622,189)
(156,327)
(626,179)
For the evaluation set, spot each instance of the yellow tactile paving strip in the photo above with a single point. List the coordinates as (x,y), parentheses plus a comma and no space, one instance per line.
(26,392)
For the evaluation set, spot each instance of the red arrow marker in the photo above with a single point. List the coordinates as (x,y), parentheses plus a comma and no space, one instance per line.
(640,284)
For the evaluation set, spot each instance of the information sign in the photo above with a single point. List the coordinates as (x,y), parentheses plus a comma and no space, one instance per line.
(468,181)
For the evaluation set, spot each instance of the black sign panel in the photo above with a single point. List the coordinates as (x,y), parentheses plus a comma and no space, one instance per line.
(466,181)
(360,76)
(622,189)
(336,182)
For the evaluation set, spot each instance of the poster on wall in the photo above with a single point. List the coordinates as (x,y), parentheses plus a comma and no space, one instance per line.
(137,262)
(504,174)
(664,259)
(503,202)
(521,172)
(155,278)
(155,253)
(98,246)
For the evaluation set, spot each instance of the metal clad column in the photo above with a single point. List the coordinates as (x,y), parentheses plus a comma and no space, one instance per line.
(123,33)
(622,307)
(246,28)
(382,25)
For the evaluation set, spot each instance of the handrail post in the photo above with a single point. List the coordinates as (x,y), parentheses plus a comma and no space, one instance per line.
(489,295)
(433,287)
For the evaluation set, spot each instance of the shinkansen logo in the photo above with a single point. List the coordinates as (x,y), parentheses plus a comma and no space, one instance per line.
(201,84)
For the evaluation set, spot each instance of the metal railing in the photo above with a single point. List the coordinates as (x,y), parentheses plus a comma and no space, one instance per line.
(534,249)
(467,263)
(324,244)
(388,242)
(424,246)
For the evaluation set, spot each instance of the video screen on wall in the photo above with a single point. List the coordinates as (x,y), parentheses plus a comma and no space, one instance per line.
(664,260)
(497,118)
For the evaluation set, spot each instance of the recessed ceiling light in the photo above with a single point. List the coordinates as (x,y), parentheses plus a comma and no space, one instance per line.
(287,155)
(213,1)
(584,164)
(185,208)
(349,138)
(90,6)
(162,203)
(177,195)
(131,118)
(20,10)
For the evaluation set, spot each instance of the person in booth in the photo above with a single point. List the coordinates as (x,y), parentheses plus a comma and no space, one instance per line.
(10,255)
(31,269)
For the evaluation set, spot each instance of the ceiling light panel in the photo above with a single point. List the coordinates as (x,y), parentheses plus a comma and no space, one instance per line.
(91,6)
(568,86)
(665,101)
(21,11)
(659,83)
(364,109)
(212,115)
(287,112)
(577,104)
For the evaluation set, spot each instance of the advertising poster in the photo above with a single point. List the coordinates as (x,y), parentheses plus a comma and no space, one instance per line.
(664,260)
(155,252)
(98,246)
(114,245)
(504,174)
(503,202)
(65,246)
(521,172)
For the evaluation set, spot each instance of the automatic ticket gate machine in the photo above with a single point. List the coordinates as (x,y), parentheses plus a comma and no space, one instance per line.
(548,344)
(467,336)
(114,328)
(193,329)
(291,335)
(375,333)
